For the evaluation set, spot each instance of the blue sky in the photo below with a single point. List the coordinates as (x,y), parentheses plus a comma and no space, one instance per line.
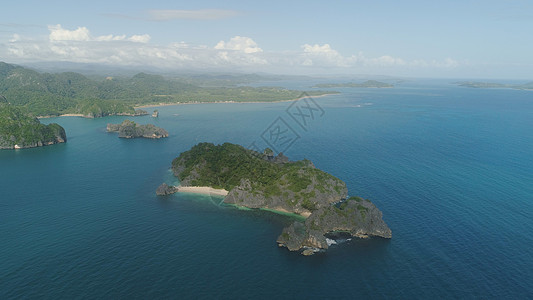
(461,39)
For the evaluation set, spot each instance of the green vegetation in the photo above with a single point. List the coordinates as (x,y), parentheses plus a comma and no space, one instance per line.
(45,94)
(224,166)
(366,84)
(350,205)
(20,129)
(308,204)
(96,108)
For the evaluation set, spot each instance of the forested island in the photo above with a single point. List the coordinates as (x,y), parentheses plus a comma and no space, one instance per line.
(54,94)
(365,84)
(19,129)
(488,85)
(129,130)
(263,181)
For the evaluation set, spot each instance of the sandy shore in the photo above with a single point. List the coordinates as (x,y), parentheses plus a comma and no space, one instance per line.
(71,115)
(231,102)
(206,190)
(63,115)
(305,215)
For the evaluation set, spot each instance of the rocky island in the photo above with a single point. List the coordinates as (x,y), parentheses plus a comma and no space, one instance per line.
(129,129)
(263,181)
(19,129)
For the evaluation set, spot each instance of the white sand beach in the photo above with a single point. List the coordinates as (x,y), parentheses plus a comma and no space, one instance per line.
(202,190)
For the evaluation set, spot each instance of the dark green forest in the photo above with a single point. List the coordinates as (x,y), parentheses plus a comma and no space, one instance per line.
(17,127)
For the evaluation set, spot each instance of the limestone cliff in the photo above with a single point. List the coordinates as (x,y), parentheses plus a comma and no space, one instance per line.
(354,217)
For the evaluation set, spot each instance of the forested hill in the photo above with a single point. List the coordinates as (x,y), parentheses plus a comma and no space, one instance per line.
(52,94)
(58,93)
(21,130)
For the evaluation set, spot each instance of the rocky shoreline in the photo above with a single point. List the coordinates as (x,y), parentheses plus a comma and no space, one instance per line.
(129,129)
(263,181)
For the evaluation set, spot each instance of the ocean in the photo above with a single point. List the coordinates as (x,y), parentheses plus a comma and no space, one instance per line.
(451,168)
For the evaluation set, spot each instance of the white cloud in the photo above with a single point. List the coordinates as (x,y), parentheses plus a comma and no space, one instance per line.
(384,61)
(237,53)
(145,38)
(202,14)
(60,34)
(317,55)
(57,33)
(110,37)
(15,38)
(326,57)
(239,43)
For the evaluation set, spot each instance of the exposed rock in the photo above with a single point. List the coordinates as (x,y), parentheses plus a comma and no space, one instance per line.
(155,114)
(281,159)
(308,252)
(138,112)
(355,217)
(165,189)
(129,129)
(101,113)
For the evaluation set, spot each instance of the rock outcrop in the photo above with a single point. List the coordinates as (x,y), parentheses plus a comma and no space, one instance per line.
(354,217)
(165,189)
(129,129)
(99,113)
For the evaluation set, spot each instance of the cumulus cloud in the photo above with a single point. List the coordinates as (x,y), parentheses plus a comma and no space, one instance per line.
(243,53)
(202,14)
(324,55)
(58,33)
(144,38)
(239,43)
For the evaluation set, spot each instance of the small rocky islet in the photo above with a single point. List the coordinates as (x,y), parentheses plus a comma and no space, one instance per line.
(129,129)
(264,181)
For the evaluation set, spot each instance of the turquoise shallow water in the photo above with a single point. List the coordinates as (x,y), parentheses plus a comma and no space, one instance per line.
(451,168)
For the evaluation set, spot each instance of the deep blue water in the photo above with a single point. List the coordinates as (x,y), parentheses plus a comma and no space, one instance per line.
(451,168)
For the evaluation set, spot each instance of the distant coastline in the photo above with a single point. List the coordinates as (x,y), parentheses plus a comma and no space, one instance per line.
(227,102)
(63,115)
(191,103)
